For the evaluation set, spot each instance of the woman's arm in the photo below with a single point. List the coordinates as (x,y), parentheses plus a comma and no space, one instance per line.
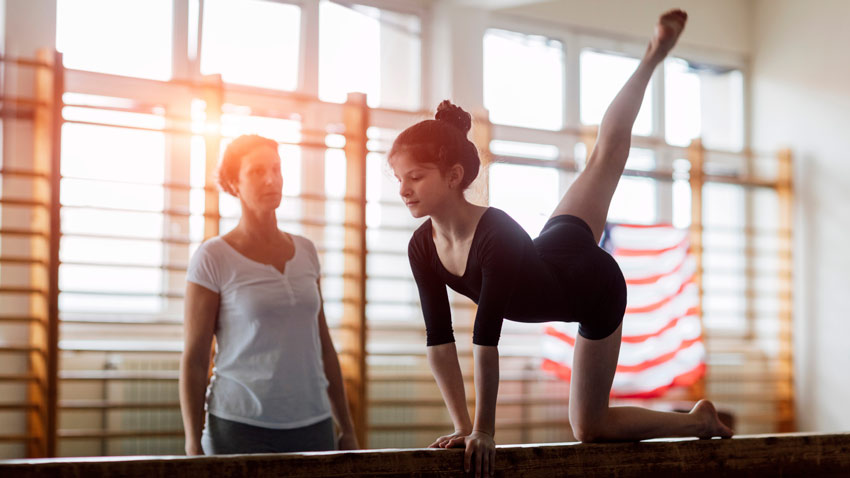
(444,364)
(336,388)
(201,313)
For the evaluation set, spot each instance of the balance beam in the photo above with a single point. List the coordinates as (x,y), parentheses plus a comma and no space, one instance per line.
(785,455)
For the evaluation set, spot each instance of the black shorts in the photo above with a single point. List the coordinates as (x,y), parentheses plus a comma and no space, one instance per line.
(591,278)
(227,437)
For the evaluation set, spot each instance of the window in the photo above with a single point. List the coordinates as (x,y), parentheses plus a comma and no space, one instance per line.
(527,193)
(524,79)
(635,199)
(509,183)
(252,42)
(706,102)
(602,77)
(111,190)
(372,51)
(129,38)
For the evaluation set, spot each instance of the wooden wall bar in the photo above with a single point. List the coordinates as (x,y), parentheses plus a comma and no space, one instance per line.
(213,94)
(353,360)
(785,192)
(56,79)
(696,156)
(752,456)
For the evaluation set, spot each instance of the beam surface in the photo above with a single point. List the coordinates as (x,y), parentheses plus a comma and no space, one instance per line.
(786,455)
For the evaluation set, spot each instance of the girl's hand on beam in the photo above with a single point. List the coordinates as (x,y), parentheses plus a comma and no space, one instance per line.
(455,440)
(480,449)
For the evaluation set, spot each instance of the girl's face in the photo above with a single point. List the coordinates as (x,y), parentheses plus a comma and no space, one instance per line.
(422,187)
(260,184)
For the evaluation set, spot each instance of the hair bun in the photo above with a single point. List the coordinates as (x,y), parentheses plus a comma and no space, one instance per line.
(454,115)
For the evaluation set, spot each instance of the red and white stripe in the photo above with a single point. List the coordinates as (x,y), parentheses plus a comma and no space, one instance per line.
(662,343)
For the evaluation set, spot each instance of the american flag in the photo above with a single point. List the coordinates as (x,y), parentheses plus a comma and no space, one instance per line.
(662,343)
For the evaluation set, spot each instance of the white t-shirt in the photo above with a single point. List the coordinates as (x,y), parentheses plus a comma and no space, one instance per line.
(268,361)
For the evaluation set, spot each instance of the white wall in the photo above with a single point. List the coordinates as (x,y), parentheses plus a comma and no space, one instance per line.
(801,98)
(30,25)
(456,55)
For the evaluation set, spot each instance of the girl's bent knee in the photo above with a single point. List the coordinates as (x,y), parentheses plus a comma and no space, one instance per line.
(586,434)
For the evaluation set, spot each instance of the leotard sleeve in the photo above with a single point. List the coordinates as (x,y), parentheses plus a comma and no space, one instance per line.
(500,251)
(432,292)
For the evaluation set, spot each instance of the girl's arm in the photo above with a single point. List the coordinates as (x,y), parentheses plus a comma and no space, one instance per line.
(480,453)
(336,389)
(486,388)
(441,350)
(201,312)
(444,364)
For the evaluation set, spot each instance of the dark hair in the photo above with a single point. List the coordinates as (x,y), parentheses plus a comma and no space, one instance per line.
(442,141)
(231,160)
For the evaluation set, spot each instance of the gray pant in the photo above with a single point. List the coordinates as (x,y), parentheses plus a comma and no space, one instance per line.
(226,437)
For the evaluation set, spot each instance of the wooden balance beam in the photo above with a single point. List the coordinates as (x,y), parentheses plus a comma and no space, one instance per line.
(786,455)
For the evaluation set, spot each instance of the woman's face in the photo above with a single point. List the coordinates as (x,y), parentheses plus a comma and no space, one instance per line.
(422,187)
(260,184)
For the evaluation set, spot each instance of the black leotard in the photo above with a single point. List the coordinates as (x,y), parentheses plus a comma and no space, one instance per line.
(562,275)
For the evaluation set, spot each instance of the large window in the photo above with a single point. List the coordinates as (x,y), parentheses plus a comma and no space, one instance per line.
(111,188)
(706,102)
(251,42)
(372,51)
(524,79)
(130,38)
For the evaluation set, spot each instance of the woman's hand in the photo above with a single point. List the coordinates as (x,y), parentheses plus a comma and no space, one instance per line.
(450,441)
(480,448)
(347,441)
(194,449)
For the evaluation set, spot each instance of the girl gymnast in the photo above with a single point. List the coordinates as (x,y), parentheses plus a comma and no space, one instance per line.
(561,275)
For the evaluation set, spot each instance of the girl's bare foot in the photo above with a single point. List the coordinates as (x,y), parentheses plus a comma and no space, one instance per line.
(711,424)
(667,31)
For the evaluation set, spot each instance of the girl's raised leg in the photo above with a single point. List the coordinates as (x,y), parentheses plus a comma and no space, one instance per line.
(590,195)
